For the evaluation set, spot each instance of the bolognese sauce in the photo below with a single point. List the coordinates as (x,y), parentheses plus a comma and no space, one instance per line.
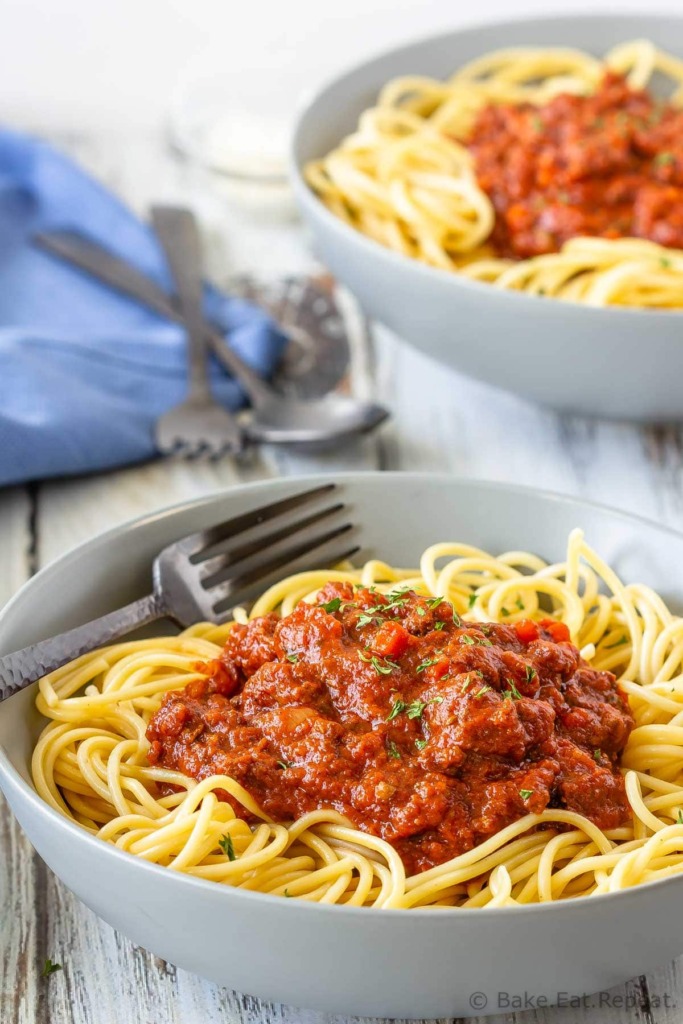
(608,165)
(431,732)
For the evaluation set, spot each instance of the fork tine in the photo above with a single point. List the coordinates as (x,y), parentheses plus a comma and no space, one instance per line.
(222,563)
(224,613)
(226,592)
(197,546)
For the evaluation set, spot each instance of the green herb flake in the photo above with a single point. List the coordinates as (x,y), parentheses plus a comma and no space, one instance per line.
(420,744)
(333,605)
(421,611)
(531,673)
(512,690)
(471,600)
(284,765)
(484,689)
(505,612)
(439,625)
(383,670)
(50,967)
(225,843)
(392,750)
(288,894)
(416,707)
(526,793)
(597,754)
(664,159)
(665,262)
(293,658)
(396,708)
(434,602)
(467,639)
(679,819)
(427,663)
(519,604)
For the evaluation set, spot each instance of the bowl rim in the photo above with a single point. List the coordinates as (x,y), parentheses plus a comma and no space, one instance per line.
(308,199)
(28,794)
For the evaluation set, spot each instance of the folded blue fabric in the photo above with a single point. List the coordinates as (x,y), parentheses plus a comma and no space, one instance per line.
(85,372)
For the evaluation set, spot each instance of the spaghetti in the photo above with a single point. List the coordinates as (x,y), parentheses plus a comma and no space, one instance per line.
(545,171)
(91,762)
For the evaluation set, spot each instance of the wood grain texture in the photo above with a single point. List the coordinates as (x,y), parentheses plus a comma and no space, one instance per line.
(441,422)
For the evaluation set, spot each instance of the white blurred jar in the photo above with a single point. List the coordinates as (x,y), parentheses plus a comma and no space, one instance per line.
(234,129)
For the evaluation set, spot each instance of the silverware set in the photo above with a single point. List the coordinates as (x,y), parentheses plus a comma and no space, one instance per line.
(200,425)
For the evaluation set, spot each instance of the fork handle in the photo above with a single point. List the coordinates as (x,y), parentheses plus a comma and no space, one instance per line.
(177,230)
(21,668)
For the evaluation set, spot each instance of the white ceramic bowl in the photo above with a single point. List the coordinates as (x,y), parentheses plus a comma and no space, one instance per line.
(604,362)
(415,963)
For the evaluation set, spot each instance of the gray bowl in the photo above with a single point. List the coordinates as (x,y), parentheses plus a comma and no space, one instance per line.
(599,362)
(415,963)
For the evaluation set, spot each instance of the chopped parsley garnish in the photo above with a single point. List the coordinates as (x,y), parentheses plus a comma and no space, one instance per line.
(293,658)
(421,744)
(284,765)
(468,682)
(396,708)
(519,604)
(662,159)
(505,612)
(456,618)
(416,707)
(288,894)
(421,611)
(225,843)
(484,689)
(526,793)
(471,600)
(512,690)
(439,625)
(664,262)
(365,620)
(333,605)
(384,670)
(434,602)
(467,639)
(392,749)
(427,663)
(597,754)
(49,967)
(531,674)
(679,819)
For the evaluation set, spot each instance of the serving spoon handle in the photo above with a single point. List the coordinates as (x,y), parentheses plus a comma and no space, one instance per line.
(21,668)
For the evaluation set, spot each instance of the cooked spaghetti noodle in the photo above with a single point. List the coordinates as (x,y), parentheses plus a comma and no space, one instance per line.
(91,761)
(408,176)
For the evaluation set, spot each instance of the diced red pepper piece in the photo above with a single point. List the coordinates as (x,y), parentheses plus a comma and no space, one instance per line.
(527,630)
(391,640)
(558,630)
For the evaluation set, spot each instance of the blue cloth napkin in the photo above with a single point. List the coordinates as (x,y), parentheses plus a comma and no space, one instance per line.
(85,372)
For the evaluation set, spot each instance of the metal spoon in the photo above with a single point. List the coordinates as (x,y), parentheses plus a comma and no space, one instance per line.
(319,423)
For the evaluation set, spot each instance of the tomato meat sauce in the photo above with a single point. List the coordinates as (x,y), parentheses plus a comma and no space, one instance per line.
(608,165)
(427,731)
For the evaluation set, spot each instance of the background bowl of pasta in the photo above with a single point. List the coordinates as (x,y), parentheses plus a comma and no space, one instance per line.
(562,908)
(499,204)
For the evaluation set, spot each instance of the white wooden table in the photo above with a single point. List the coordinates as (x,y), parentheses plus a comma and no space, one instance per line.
(440,422)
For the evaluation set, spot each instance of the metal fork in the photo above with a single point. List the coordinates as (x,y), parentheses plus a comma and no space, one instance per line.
(198,578)
(199,425)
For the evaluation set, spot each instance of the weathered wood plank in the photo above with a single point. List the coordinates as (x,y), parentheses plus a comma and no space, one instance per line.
(18,979)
